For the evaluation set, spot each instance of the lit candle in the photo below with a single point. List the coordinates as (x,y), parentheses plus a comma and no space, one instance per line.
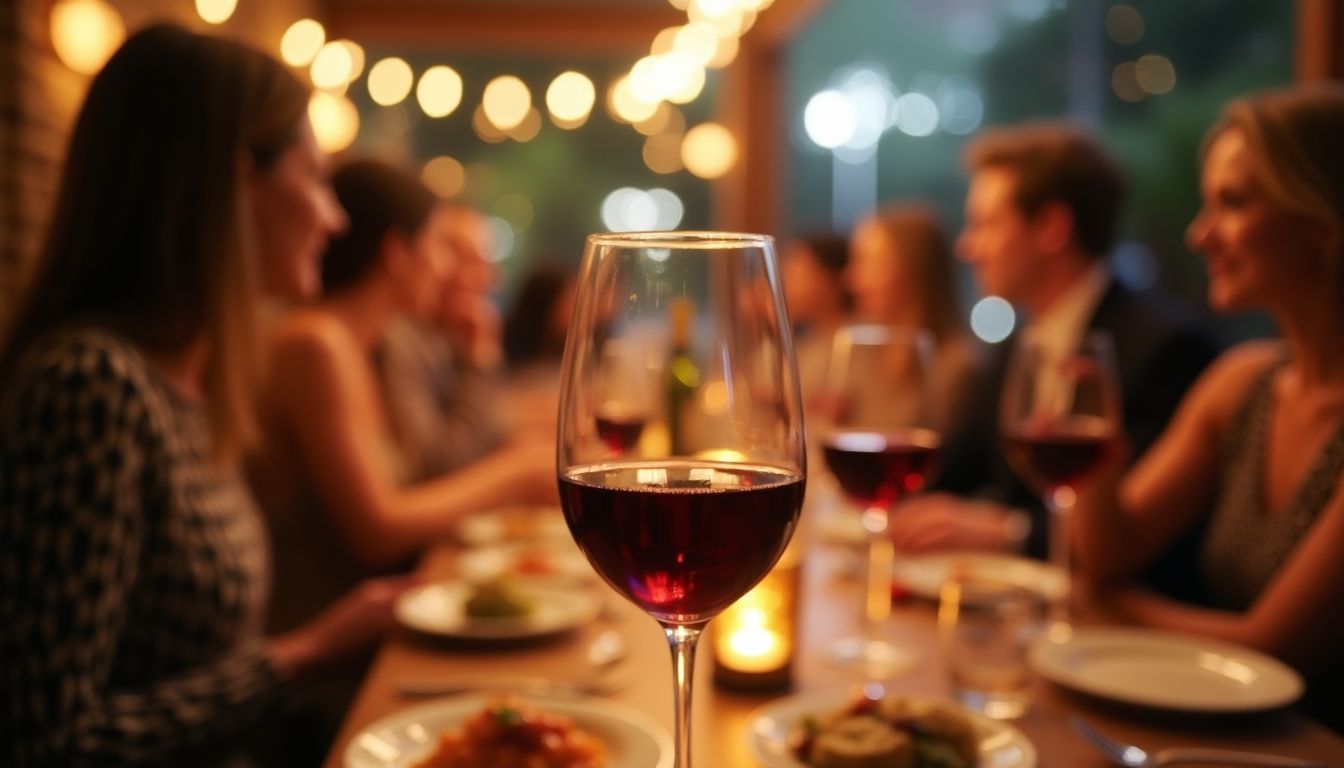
(753,640)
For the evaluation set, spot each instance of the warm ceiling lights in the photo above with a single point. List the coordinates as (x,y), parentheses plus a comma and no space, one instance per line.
(85,33)
(506,101)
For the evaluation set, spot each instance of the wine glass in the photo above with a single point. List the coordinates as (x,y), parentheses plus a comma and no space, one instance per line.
(880,445)
(690,518)
(1060,412)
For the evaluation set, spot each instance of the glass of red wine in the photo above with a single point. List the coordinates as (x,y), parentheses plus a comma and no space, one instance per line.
(691,517)
(881,444)
(1060,413)
(625,390)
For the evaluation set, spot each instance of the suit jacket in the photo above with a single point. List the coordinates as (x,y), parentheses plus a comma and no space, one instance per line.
(1160,350)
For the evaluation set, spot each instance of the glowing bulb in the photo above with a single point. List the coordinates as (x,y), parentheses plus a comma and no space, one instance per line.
(662,153)
(333,66)
(709,150)
(356,52)
(335,121)
(215,11)
(301,42)
(829,119)
(528,129)
(626,106)
(439,91)
(506,101)
(570,97)
(390,81)
(85,33)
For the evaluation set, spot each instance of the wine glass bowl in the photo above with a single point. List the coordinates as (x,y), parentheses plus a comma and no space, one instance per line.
(686,511)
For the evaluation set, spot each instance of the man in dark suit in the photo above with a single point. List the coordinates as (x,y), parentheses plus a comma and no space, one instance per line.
(1041,214)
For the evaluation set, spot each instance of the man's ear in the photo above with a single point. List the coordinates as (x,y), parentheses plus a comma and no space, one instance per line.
(1053,227)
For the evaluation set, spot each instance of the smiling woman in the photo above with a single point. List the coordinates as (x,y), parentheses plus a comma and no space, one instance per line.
(1255,455)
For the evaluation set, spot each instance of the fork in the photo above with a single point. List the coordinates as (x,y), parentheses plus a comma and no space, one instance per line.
(1131,756)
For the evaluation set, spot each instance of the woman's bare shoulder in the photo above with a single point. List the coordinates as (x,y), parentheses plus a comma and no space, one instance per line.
(1224,385)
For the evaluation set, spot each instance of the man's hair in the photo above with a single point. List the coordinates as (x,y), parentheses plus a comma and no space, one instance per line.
(1058,163)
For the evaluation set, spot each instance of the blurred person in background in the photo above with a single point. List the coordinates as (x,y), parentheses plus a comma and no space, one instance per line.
(901,273)
(813,268)
(440,369)
(1254,458)
(535,329)
(137,567)
(1041,214)
(332,480)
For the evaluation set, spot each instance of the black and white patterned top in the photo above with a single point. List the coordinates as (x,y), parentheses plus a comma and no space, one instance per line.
(133,571)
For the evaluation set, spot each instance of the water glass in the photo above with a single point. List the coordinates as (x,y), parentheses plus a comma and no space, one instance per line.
(985,630)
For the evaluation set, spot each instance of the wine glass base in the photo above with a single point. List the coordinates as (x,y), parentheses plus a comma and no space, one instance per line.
(878,659)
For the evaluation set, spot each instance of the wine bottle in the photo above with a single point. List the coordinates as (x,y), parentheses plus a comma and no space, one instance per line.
(683,377)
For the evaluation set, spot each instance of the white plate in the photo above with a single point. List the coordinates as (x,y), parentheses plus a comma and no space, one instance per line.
(440,609)
(924,575)
(1001,745)
(513,524)
(549,558)
(402,739)
(1166,671)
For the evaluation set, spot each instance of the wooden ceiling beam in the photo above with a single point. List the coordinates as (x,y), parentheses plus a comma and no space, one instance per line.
(543,28)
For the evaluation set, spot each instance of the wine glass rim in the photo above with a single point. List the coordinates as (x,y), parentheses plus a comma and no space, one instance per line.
(686,239)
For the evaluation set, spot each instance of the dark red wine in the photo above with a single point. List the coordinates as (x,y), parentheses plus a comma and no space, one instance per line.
(878,468)
(1057,455)
(620,432)
(682,539)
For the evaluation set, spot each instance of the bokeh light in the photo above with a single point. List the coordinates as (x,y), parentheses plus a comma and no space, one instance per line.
(1155,74)
(916,114)
(625,106)
(1124,24)
(662,153)
(829,119)
(485,130)
(356,52)
(1125,82)
(504,237)
(992,319)
(335,121)
(528,129)
(85,33)
(301,42)
(333,66)
(570,98)
(444,175)
(439,91)
(506,101)
(390,81)
(709,150)
(215,11)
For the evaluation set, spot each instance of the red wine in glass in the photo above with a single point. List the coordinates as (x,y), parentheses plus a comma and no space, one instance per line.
(620,433)
(878,468)
(1059,454)
(682,539)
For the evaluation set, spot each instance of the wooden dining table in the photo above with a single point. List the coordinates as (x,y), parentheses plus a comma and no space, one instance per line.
(722,717)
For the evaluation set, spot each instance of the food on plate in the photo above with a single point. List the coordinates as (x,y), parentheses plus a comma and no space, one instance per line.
(510,733)
(888,733)
(497,598)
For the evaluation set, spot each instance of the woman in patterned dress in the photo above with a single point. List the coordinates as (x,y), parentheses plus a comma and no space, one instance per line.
(1255,454)
(134,569)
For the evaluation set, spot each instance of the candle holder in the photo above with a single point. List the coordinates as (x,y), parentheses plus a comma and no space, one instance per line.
(754,640)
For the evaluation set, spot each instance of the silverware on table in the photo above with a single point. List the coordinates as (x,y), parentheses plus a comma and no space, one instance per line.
(1131,756)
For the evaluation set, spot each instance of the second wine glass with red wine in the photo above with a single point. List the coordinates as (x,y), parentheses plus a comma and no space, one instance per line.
(1060,414)
(689,517)
(881,445)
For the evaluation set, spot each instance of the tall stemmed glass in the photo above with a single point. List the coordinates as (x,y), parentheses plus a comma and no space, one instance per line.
(881,444)
(684,525)
(1060,412)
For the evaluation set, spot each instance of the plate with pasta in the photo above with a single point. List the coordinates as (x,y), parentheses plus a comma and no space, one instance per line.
(512,731)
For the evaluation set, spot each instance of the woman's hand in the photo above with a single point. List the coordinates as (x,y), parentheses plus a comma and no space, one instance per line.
(941,522)
(352,625)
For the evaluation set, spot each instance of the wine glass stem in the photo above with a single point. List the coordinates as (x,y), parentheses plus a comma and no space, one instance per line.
(877,598)
(1060,502)
(682,639)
